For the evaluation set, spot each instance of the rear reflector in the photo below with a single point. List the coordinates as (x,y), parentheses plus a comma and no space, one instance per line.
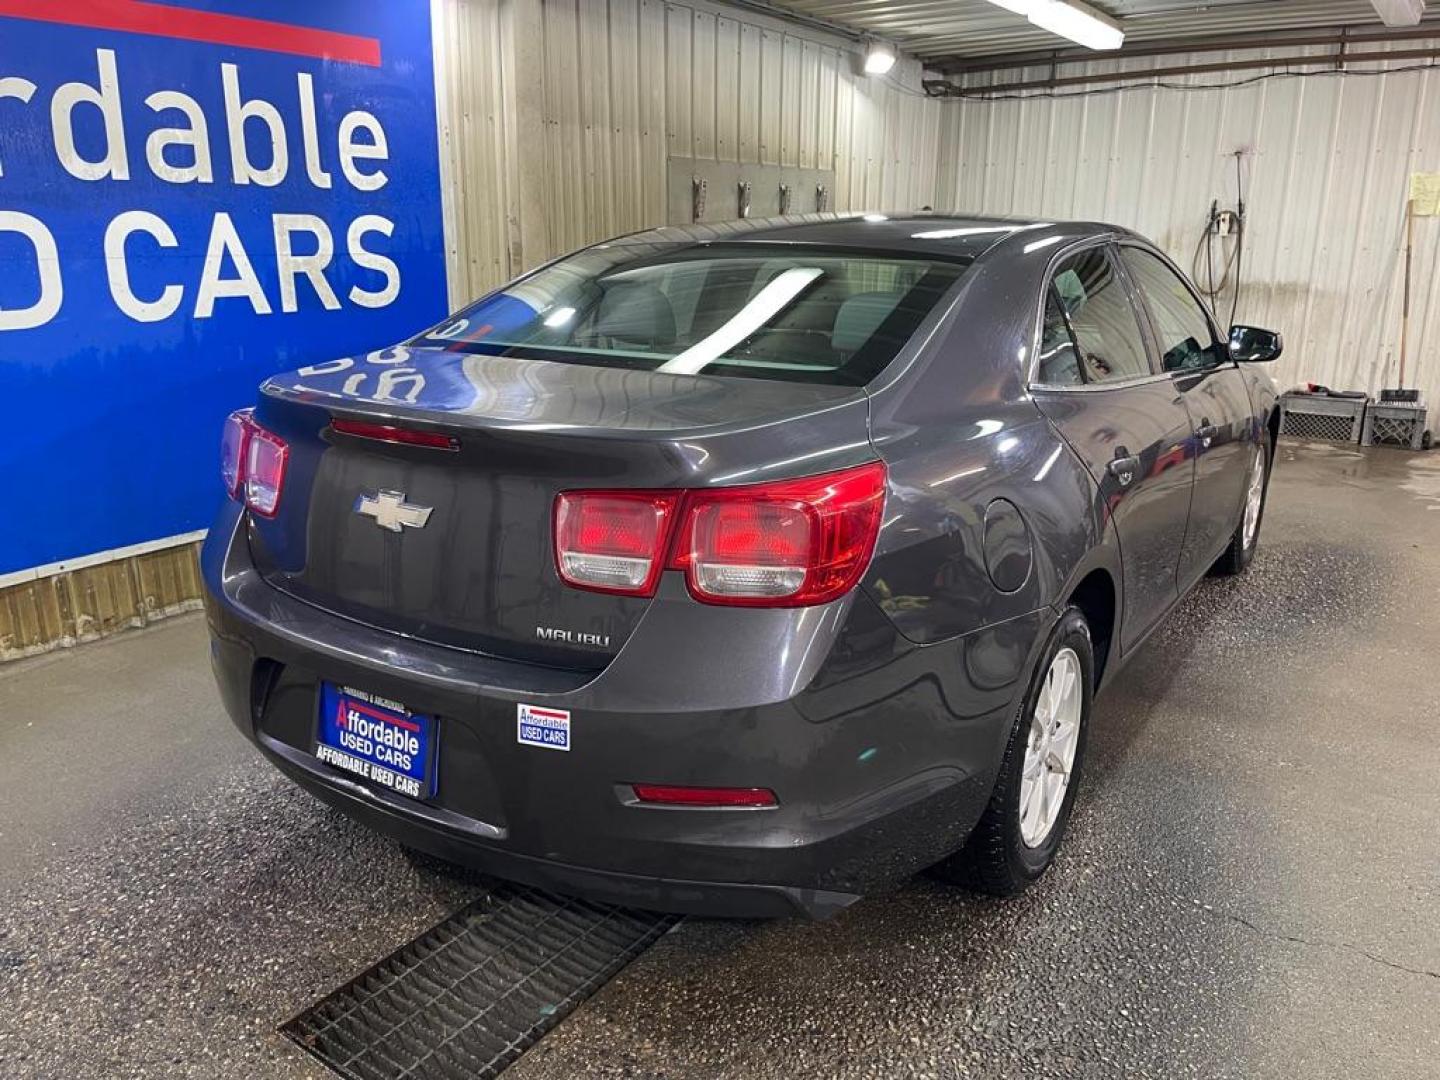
(786,544)
(669,795)
(391,434)
(613,541)
(252,463)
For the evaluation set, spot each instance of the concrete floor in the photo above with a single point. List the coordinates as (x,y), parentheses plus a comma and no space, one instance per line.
(1249,888)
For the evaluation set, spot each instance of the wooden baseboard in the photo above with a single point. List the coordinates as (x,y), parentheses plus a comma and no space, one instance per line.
(83,605)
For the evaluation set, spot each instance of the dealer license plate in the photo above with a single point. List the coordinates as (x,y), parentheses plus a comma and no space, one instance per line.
(377,739)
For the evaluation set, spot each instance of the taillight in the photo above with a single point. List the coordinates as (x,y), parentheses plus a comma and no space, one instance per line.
(252,463)
(786,544)
(233,444)
(264,470)
(613,541)
(790,544)
(748,548)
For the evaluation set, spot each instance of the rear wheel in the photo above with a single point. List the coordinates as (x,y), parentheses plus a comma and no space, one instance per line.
(1020,831)
(1241,551)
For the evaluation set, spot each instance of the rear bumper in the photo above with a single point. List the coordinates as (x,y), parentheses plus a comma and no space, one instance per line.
(730,899)
(882,753)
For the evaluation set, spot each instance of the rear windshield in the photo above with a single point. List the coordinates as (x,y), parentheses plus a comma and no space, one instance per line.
(797,314)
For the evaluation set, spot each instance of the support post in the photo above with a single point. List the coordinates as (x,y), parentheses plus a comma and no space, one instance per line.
(1405,303)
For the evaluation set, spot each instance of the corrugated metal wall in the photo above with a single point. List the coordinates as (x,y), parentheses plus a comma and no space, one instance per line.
(559,116)
(1326,176)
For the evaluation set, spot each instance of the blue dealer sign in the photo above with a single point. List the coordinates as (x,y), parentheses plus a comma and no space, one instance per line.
(193,196)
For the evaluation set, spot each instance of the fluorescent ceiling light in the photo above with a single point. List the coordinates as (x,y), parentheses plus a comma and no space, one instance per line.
(559,317)
(879,58)
(1399,12)
(1079,22)
(1071,19)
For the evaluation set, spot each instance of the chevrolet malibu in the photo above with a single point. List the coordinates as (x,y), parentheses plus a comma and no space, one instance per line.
(740,569)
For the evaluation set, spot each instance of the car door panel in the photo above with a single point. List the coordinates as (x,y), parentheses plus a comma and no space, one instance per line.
(1146,423)
(1219,408)
(1214,395)
(1125,421)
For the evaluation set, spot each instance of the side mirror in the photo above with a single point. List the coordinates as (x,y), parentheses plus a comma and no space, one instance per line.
(1251,345)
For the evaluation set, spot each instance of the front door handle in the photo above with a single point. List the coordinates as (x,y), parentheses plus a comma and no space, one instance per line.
(1206,433)
(1124,469)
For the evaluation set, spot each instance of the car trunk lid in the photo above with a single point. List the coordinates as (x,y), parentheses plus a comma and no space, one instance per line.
(452,543)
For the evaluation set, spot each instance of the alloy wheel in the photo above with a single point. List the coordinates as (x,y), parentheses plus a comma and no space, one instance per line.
(1254,498)
(1050,749)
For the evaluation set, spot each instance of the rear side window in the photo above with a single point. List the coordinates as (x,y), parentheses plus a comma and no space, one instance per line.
(1185,339)
(792,313)
(1102,317)
(1059,364)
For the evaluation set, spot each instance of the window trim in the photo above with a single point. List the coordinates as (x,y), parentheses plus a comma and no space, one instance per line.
(1142,314)
(1142,323)
(1037,321)
(1045,296)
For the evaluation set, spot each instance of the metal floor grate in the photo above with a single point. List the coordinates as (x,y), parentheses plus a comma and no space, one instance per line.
(469,996)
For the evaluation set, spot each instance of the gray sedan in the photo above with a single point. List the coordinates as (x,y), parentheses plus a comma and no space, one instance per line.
(740,569)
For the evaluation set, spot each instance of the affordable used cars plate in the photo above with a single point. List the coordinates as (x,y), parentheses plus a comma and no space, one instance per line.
(378,739)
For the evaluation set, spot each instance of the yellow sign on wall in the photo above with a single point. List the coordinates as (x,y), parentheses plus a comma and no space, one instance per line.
(1425,194)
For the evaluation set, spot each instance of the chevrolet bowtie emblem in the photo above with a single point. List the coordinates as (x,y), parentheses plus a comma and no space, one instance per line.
(391,511)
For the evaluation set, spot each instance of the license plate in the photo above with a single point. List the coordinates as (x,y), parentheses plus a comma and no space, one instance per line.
(380,740)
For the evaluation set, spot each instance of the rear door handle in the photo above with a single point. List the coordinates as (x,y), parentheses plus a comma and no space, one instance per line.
(1124,469)
(1206,433)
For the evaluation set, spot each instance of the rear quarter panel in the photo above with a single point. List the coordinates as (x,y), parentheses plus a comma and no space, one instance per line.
(958,431)
(1264,394)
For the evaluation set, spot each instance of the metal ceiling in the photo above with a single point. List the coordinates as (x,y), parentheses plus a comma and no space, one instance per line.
(932,29)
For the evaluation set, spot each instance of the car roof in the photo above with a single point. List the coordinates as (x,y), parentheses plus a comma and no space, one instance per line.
(951,236)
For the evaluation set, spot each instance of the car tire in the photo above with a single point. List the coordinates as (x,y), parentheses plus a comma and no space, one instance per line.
(1004,855)
(1241,552)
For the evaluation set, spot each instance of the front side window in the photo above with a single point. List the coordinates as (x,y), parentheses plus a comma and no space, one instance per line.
(1185,339)
(1103,318)
(793,313)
